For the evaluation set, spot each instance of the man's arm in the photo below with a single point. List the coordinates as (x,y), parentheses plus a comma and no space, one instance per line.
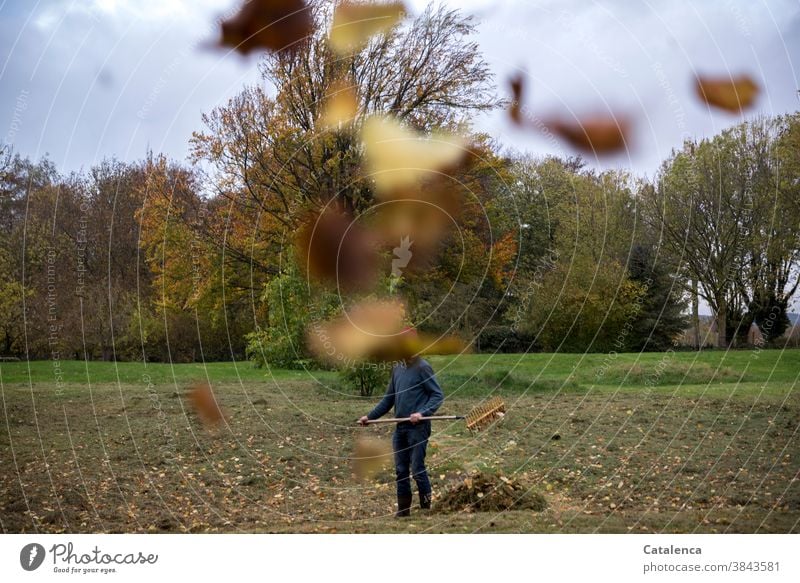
(386,403)
(434,391)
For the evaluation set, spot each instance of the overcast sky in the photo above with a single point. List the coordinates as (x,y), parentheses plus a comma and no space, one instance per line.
(86,79)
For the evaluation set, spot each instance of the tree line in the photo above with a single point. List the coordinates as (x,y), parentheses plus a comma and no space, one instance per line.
(171,261)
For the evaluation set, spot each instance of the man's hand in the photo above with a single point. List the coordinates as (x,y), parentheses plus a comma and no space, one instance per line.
(415,417)
(363,420)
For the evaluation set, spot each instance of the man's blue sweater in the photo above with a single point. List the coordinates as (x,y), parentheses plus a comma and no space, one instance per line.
(412,389)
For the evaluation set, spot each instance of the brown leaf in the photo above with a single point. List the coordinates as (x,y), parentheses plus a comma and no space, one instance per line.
(596,134)
(354,23)
(515,109)
(204,403)
(729,93)
(336,249)
(272,25)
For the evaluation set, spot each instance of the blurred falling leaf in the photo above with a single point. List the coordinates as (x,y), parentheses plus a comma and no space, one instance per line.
(340,106)
(370,456)
(515,109)
(272,25)
(595,135)
(443,345)
(365,329)
(354,23)
(375,331)
(336,249)
(404,346)
(399,159)
(204,403)
(424,212)
(419,221)
(729,93)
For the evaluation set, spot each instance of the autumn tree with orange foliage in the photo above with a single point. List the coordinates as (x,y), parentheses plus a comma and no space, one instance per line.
(200,306)
(272,154)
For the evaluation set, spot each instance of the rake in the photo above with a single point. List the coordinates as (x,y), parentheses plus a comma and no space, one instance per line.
(477,419)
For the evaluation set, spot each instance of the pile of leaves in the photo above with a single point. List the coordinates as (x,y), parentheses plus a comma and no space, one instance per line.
(482,492)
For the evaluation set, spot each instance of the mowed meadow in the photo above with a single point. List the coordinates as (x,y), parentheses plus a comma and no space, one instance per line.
(658,442)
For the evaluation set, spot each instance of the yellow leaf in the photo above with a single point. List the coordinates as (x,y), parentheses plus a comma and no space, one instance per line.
(341,106)
(398,158)
(354,24)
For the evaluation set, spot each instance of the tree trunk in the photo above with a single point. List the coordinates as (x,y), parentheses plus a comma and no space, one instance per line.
(695,315)
(722,316)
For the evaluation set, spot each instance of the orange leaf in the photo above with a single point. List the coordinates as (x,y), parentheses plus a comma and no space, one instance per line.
(596,134)
(729,93)
(202,398)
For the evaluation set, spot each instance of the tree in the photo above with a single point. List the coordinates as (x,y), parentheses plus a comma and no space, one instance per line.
(583,298)
(530,206)
(270,155)
(583,305)
(701,218)
(36,281)
(200,302)
(12,291)
(726,208)
(291,306)
(660,318)
(769,278)
(272,160)
(365,377)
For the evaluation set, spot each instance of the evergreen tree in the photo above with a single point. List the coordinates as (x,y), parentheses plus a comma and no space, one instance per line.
(660,317)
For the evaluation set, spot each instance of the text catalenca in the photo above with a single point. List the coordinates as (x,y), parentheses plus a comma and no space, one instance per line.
(671,550)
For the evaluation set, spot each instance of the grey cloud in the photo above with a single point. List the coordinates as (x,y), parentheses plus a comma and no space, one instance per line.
(141,79)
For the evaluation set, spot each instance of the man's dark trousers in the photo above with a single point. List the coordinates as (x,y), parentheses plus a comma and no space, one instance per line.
(410,443)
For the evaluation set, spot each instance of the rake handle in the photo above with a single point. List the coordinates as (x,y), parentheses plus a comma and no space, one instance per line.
(399,419)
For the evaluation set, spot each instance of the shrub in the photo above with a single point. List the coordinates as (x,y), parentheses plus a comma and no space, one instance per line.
(291,307)
(365,377)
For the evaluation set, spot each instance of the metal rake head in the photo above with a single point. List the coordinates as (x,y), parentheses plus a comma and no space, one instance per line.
(485,413)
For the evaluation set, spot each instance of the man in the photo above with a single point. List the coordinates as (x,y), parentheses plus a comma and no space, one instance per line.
(414,392)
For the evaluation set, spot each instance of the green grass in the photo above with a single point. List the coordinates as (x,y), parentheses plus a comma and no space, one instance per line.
(666,442)
(470,373)
(73,372)
(603,369)
(690,373)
